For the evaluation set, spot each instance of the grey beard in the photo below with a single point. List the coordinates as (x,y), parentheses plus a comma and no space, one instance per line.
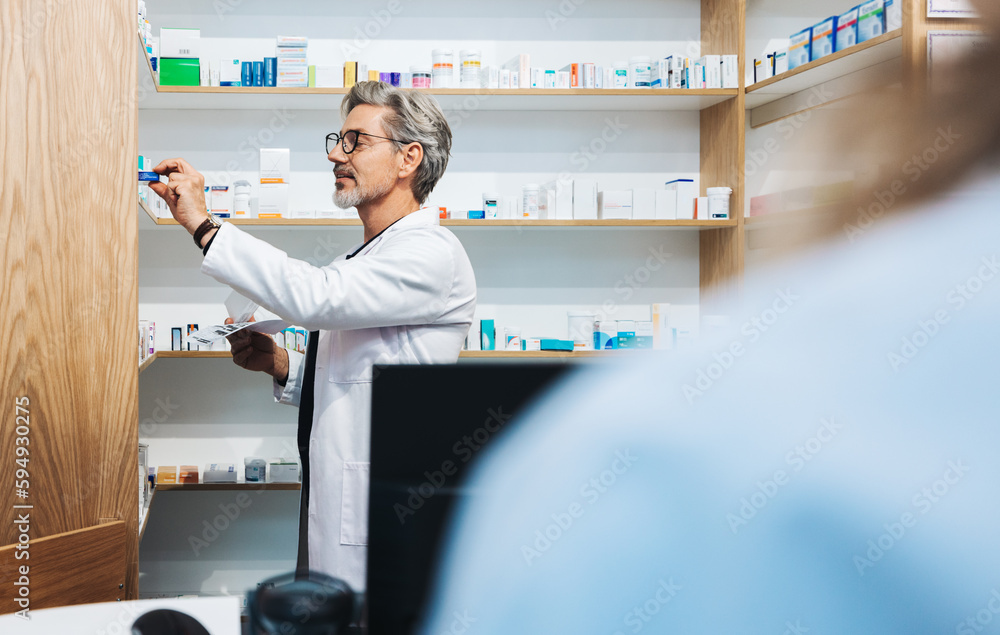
(362,194)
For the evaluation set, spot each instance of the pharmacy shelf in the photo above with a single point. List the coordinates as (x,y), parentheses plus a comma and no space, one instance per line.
(227,487)
(462,355)
(543,354)
(454,99)
(451,99)
(283,222)
(856,58)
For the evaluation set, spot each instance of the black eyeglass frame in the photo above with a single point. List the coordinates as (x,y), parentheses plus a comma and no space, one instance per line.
(336,137)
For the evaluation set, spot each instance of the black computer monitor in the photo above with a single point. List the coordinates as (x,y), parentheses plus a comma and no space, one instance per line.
(429,425)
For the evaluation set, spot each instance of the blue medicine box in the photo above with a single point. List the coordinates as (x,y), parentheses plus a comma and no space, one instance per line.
(800,48)
(871,20)
(847,29)
(824,39)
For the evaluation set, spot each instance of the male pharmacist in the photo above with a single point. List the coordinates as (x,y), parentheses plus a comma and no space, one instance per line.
(406,295)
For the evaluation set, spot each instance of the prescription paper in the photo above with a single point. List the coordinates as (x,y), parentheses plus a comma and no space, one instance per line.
(210,334)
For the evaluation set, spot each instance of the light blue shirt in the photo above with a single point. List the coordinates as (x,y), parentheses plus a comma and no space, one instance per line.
(829,465)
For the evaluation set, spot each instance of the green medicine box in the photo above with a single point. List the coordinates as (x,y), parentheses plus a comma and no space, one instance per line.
(176,71)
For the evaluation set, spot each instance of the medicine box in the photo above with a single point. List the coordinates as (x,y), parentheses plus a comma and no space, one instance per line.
(275,165)
(230,72)
(606,335)
(780,61)
(188,474)
(584,199)
(220,473)
(552,344)
(273,200)
(800,49)
(180,72)
(564,199)
(871,20)
(893,15)
(685,193)
(644,334)
(643,203)
(614,205)
(824,38)
(666,205)
(329,77)
(166,475)
(221,201)
(626,334)
(847,29)
(180,43)
(283,471)
(488,335)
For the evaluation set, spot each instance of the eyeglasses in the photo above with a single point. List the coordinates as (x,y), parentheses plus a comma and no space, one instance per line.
(349,140)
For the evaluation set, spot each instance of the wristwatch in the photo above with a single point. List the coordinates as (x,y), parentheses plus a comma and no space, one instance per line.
(206,226)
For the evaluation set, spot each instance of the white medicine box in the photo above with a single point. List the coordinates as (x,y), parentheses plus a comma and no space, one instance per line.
(182,43)
(275,165)
(614,205)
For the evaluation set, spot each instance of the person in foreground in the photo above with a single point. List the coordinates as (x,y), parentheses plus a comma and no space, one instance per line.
(827,466)
(406,295)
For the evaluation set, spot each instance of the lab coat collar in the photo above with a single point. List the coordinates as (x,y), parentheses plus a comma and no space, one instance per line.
(423,217)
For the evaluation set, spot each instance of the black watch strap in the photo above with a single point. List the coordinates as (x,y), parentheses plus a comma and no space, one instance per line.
(206,226)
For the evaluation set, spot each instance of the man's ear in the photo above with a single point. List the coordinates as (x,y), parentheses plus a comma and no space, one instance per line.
(413,155)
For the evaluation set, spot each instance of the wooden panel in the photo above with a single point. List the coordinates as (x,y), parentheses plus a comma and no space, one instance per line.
(76,567)
(68,312)
(916,24)
(722,164)
(723,28)
(723,32)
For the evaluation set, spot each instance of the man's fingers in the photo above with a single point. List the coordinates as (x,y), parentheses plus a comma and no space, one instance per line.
(168,166)
(160,189)
(171,166)
(241,357)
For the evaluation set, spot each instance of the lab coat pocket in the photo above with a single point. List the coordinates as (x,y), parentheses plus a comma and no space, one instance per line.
(354,505)
(353,353)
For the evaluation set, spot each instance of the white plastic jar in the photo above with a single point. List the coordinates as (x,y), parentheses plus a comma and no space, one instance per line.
(718,202)
(529,200)
(444,68)
(241,199)
(640,72)
(472,60)
(255,469)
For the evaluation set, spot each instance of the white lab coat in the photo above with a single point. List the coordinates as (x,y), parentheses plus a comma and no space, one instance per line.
(406,298)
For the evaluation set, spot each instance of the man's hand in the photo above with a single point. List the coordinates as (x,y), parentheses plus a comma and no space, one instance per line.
(184,192)
(258,352)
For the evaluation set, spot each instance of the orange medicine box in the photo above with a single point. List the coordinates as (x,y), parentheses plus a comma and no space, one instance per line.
(189,474)
(166,474)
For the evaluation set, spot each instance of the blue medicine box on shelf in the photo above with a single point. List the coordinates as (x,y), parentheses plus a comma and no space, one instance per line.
(847,29)
(823,39)
(800,48)
(871,20)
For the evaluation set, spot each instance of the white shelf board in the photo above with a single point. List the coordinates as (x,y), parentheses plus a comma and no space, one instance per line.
(853,60)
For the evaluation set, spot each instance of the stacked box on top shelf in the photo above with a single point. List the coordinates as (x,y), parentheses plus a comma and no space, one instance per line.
(293,62)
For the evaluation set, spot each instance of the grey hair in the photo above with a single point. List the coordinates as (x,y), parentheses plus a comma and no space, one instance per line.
(415,117)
